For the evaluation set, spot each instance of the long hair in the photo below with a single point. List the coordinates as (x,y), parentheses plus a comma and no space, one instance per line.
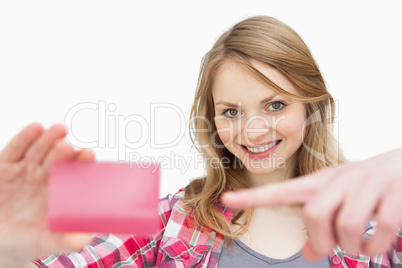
(273,43)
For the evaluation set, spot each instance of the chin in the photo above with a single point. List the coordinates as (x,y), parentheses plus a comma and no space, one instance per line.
(260,171)
(264,166)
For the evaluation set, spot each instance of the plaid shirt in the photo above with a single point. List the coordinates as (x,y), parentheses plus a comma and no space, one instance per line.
(180,244)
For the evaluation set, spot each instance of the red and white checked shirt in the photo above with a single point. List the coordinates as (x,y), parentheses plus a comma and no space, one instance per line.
(179,244)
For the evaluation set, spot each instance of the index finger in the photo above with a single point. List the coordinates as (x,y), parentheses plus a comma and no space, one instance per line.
(291,192)
(17,147)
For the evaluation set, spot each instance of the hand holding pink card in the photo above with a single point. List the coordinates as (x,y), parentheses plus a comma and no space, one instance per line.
(104,197)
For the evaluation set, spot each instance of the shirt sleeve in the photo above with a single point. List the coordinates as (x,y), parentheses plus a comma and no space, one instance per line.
(396,251)
(107,250)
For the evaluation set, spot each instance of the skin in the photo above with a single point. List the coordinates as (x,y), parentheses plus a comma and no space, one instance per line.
(24,169)
(25,163)
(338,202)
(250,113)
(254,121)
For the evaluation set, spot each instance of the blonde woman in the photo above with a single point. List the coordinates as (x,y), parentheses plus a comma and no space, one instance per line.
(261,114)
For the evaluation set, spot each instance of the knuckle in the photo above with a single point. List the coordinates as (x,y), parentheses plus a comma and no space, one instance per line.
(376,248)
(276,195)
(312,214)
(15,170)
(387,223)
(349,226)
(347,173)
(34,150)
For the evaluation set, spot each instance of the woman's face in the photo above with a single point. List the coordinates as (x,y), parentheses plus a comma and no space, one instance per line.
(260,127)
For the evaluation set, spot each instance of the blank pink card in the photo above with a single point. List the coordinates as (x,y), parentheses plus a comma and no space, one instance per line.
(104,197)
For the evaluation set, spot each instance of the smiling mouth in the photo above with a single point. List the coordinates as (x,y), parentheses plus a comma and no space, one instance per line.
(262,149)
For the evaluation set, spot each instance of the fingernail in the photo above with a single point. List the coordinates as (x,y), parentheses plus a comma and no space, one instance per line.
(227,197)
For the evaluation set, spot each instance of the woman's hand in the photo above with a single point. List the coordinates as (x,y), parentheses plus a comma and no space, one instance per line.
(24,173)
(339,202)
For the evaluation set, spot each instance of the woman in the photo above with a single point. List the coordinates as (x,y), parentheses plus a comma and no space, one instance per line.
(259,85)
(261,115)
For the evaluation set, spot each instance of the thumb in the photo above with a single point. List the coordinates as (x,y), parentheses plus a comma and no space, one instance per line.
(63,242)
(74,242)
(53,243)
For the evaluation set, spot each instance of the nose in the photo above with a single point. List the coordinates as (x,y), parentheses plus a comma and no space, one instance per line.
(255,128)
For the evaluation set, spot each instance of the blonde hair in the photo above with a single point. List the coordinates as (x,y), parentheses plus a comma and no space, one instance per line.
(270,42)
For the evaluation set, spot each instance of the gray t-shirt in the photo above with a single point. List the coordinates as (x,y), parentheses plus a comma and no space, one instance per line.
(240,255)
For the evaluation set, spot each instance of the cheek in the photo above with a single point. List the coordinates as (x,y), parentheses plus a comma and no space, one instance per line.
(292,128)
(226,132)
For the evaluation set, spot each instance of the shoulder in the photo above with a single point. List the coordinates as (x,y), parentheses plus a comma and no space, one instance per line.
(172,203)
(178,199)
(168,202)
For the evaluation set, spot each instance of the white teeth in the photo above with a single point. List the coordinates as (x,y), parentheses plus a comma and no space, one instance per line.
(263,148)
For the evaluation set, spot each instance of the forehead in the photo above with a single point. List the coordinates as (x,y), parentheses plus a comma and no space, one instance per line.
(232,81)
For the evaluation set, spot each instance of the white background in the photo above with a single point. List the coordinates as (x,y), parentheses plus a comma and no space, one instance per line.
(127,55)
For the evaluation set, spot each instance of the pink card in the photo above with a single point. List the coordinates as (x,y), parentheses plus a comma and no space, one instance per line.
(104,197)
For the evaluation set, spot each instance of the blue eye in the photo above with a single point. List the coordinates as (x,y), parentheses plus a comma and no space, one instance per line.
(231,113)
(276,106)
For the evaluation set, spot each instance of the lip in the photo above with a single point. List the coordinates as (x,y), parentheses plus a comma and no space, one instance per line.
(261,144)
(263,154)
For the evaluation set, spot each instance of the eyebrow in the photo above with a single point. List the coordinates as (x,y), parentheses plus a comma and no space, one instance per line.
(229,104)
